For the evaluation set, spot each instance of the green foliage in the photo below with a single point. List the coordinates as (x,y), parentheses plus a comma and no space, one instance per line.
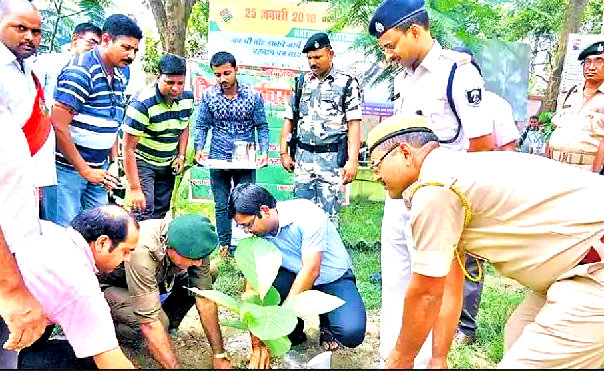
(256,252)
(259,310)
(153,52)
(197,29)
(545,117)
(59,18)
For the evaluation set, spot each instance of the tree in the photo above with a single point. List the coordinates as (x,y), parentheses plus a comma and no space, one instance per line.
(61,16)
(171,18)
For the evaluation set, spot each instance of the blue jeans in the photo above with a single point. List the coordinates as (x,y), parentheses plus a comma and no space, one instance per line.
(223,181)
(8,359)
(71,195)
(346,323)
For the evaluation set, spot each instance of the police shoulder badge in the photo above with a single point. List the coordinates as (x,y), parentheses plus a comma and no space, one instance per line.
(379,27)
(474,96)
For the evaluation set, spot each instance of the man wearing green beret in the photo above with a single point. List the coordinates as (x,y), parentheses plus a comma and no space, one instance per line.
(148,294)
(512,210)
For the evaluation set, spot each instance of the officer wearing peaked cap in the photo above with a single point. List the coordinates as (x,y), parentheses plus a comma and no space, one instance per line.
(547,235)
(324,120)
(579,135)
(447,89)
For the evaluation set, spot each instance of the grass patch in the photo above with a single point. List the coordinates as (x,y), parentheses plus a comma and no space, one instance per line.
(500,297)
(361,223)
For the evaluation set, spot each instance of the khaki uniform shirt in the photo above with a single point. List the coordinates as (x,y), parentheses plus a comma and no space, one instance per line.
(150,271)
(425,89)
(528,224)
(323,118)
(579,127)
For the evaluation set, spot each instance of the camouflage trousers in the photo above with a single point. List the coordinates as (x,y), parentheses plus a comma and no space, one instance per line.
(318,178)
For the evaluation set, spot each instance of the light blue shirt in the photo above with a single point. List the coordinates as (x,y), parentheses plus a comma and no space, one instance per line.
(304,228)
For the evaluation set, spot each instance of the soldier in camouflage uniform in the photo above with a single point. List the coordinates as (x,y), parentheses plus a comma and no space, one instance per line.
(328,130)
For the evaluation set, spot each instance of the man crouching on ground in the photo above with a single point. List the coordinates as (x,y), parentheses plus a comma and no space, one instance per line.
(314,257)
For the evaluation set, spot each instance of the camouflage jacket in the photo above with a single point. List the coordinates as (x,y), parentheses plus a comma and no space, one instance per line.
(325,108)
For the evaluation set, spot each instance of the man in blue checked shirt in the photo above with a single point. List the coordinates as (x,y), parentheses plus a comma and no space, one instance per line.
(233,111)
(88,109)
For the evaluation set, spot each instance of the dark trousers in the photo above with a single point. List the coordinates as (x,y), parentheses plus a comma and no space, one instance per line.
(223,181)
(8,359)
(157,183)
(472,293)
(346,323)
(48,354)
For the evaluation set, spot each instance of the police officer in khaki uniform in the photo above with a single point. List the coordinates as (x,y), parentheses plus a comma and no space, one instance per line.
(402,29)
(328,129)
(148,293)
(580,120)
(548,235)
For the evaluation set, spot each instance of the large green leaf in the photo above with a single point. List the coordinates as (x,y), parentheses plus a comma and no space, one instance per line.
(268,322)
(272,297)
(235,324)
(313,302)
(279,347)
(259,260)
(219,298)
(252,297)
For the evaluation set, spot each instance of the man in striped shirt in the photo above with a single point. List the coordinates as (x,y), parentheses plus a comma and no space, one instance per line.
(88,109)
(156,131)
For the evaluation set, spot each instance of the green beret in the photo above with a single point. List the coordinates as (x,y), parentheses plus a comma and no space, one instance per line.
(192,236)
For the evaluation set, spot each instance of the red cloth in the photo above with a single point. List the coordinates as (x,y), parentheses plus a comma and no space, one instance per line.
(37,128)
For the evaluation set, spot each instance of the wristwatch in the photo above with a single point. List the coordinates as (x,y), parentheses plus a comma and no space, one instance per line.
(221,355)
(182,157)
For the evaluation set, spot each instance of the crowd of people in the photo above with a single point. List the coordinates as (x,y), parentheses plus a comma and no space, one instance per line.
(108,276)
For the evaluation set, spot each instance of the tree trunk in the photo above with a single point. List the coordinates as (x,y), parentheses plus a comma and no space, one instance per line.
(574,14)
(171,17)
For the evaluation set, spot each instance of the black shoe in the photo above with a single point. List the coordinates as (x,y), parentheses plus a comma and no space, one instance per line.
(297,339)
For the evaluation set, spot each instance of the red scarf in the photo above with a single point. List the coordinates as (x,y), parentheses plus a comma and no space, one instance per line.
(37,128)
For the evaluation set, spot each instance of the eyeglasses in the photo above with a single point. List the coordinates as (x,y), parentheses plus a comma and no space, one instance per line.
(247,227)
(596,62)
(90,41)
(375,165)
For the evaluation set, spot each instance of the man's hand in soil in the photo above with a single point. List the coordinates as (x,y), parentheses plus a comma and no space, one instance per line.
(221,364)
(260,356)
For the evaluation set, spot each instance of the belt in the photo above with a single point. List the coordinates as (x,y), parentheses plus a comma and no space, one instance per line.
(573,158)
(332,147)
(592,256)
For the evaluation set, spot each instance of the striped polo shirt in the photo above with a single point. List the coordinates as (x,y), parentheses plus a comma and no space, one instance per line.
(99,107)
(157,125)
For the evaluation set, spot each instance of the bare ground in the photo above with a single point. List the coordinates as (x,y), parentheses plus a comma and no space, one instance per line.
(193,350)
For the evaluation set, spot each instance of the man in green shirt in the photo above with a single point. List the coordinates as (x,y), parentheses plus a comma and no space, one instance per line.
(148,294)
(156,132)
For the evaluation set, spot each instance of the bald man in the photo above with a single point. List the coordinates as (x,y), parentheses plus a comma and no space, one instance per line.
(22,320)
(20,92)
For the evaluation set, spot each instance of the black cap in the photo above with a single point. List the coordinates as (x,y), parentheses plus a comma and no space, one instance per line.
(315,42)
(392,13)
(595,48)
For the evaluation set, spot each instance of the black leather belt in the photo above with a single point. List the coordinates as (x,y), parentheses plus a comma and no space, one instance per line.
(332,147)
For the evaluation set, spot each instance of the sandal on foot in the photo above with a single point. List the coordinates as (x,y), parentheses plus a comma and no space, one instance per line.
(327,341)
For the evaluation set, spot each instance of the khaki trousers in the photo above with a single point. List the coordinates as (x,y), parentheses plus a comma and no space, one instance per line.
(562,327)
